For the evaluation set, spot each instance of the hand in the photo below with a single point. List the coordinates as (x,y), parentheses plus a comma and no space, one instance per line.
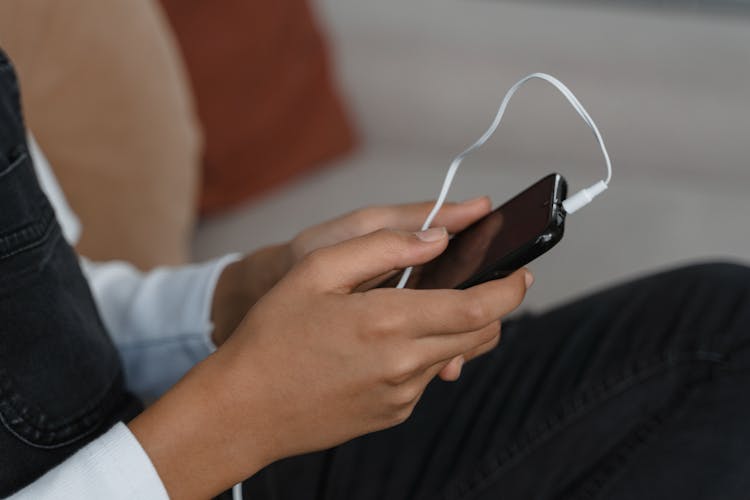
(315,364)
(244,282)
(452,216)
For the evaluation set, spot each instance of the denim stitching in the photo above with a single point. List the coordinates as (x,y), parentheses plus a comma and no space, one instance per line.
(38,233)
(578,407)
(594,487)
(33,234)
(14,415)
(14,399)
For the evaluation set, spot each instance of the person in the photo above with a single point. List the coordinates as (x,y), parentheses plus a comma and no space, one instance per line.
(323,388)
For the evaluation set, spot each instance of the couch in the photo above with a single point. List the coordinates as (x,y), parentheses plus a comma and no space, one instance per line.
(670,90)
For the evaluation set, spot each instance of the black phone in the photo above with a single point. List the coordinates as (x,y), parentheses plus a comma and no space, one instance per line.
(501,242)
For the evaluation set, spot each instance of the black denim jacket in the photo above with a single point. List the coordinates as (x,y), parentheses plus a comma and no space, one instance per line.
(61,382)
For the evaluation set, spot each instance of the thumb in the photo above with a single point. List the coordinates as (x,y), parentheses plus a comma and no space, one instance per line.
(344,266)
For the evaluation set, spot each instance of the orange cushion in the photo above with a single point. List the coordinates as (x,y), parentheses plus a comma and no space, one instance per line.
(265,96)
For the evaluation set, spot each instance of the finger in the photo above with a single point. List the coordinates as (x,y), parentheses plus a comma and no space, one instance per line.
(444,349)
(415,386)
(386,280)
(452,371)
(449,369)
(390,279)
(453,216)
(419,383)
(484,348)
(457,217)
(440,312)
(344,266)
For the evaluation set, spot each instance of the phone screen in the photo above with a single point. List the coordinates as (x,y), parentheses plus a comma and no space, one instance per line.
(493,239)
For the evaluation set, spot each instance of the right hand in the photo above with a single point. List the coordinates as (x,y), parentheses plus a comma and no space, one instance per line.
(315,364)
(244,282)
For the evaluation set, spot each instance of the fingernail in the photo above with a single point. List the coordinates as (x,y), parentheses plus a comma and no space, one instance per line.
(471,201)
(432,234)
(529,279)
(460,362)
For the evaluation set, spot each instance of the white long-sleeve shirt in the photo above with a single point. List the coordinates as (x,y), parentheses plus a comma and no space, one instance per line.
(160,323)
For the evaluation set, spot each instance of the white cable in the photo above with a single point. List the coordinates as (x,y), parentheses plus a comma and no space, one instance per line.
(237,491)
(572,204)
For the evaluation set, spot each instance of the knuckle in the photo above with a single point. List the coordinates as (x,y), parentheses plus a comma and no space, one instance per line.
(490,344)
(360,219)
(387,241)
(395,246)
(401,368)
(404,396)
(388,324)
(485,335)
(492,330)
(474,313)
(390,237)
(364,324)
(314,261)
(369,219)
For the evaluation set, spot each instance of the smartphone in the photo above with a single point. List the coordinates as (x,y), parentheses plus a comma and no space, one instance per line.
(501,242)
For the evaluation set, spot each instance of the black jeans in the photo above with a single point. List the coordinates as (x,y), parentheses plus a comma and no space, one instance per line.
(61,382)
(638,392)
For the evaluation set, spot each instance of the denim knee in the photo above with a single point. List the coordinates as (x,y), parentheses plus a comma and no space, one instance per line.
(716,302)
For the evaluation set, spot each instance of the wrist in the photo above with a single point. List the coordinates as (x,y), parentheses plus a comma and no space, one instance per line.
(231,299)
(196,439)
(243,283)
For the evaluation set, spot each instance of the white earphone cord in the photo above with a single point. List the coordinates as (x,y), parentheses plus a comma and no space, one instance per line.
(572,203)
(237,491)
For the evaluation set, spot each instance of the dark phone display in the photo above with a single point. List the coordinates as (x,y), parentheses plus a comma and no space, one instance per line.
(492,239)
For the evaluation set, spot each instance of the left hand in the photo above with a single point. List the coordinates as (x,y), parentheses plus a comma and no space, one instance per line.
(409,217)
(244,282)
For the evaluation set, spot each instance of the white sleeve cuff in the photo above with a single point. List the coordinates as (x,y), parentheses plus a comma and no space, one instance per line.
(114,467)
(160,321)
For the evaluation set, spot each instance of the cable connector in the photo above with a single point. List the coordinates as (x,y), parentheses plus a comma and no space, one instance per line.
(583,197)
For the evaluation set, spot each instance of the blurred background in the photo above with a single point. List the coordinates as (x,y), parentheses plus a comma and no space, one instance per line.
(668,83)
(183,129)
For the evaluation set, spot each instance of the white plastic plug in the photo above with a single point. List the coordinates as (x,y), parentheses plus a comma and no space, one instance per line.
(583,197)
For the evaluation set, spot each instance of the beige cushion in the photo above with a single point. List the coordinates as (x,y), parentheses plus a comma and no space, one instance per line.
(106,96)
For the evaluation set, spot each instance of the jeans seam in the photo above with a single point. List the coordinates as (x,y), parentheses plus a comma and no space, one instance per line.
(38,233)
(14,413)
(578,406)
(33,234)
(595,485)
